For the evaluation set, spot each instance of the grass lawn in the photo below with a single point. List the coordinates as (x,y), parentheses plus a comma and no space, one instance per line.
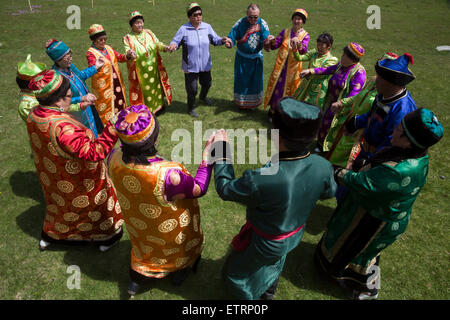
(415,267)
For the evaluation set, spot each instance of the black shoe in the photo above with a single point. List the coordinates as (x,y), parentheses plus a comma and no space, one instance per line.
(193,113)
(179,276)
(207,101)
(133,288)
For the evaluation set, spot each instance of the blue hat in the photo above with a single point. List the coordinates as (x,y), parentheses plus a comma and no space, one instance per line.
(297,121)
(422,128)
(57,49)
(396,71)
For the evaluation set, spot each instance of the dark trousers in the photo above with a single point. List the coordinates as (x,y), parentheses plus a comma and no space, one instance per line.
(191,79)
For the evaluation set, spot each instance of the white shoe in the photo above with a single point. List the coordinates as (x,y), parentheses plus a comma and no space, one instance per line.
(106,248)
(43,245)
(365,296)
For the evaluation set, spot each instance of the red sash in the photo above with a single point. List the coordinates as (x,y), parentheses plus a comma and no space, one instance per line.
(242,239)
(253,29)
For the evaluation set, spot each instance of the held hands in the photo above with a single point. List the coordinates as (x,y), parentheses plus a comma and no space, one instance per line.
(227,41)
(269,42)
(337,106)
(295,44)
(172,47)
(99,63)
(131,55)
(305,73)
(88,100)
(218,136)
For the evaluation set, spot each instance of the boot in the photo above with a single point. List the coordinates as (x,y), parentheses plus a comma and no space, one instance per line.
(191,106)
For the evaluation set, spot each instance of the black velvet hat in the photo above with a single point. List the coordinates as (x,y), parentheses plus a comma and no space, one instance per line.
(297,121)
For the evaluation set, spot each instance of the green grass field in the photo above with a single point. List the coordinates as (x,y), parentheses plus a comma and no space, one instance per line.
(415,267)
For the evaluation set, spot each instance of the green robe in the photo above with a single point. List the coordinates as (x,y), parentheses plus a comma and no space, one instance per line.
(342,145)
(374,214)
(314,89)
(276,204)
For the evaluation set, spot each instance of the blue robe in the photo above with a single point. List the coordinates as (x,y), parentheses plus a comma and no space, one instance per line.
(382,119)
(248,63)
(88,117)
(277,204)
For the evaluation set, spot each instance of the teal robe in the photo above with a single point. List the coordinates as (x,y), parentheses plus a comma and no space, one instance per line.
(276,204)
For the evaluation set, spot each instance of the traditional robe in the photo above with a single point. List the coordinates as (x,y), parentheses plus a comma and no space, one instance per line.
(148,79)
(107,83)
(81,203)
(248,63)
(374,214)
(278,206)
(165,235)
(285,77)
(314,89)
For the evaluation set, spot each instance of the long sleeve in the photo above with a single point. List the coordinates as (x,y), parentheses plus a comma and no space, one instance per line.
(120,57)
(305,42)
(90,59)
(77,141)
(178,37)
(328,70)
(186,183)
(276,43)
(242,190)
(214,39)
(304,57)
(234,32)
(85,73)
(357,83)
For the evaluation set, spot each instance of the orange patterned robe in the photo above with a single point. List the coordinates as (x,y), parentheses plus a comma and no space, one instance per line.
(165,236)
(107,84)
(81,203)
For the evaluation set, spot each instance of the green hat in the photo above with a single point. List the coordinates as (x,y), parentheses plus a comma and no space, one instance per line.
(422,128)
(27,70)
(135,14)
(192,6)
(297,121)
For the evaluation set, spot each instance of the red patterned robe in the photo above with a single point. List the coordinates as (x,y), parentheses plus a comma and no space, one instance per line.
(81,203)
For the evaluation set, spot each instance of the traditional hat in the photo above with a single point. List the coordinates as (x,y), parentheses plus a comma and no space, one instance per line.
(297,121)
(57,49)
(135,14)
(135,125)
(301,12)
(356,49)
(192,6)
(396,71)
(27,70)
(422,128)
(45,83)
(95,29)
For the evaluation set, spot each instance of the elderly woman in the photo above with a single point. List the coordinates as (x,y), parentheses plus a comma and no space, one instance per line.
(195,38)
(377,209)
(348,78)
(81,204)
(158,201)
(107,84)
(61,54)
(285,77)
(148,79)
(314,89)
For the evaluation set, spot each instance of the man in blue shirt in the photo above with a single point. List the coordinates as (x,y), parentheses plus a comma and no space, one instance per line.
(391,104)
(195,38)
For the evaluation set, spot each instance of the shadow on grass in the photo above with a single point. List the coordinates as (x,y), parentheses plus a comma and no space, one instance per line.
(318,219)
(302,272)
(27,185)
(113,265)
(220,106)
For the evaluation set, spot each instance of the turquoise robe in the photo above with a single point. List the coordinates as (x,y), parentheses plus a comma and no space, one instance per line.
(248,63)
(276,204)
(88,117)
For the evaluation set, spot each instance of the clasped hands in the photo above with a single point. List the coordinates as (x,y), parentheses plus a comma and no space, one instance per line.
(217,136)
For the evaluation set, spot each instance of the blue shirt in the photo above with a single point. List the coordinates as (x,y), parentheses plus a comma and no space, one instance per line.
(384,116)
(195,44)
